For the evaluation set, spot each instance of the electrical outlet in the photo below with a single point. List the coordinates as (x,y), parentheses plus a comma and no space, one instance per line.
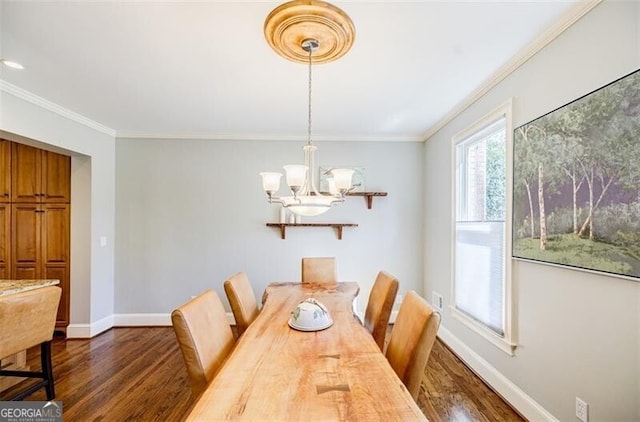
(436,300)
(582,410)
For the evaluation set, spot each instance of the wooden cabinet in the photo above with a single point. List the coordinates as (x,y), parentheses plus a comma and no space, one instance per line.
(40,247)
(39,176)
(5,171)
(35,225)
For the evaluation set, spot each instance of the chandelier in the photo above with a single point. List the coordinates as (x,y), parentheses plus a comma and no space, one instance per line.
(298,30)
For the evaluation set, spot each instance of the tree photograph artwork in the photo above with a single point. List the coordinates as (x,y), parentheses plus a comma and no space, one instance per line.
(576,182)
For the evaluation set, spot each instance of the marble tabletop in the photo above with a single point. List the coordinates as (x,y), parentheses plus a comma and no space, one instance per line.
(9,287)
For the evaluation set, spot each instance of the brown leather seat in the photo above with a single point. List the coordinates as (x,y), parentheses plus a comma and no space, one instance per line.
(411,340)
(319,270)
(28,319)
(242,300)
(204,336)
(376,317)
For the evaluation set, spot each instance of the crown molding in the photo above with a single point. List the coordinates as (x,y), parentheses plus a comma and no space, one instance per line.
(55,108)
(572,16)
(272,138)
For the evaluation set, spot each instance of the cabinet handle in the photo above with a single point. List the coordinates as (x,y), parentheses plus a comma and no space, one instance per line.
(39,210)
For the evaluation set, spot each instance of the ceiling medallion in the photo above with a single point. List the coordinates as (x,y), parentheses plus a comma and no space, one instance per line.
(289,24)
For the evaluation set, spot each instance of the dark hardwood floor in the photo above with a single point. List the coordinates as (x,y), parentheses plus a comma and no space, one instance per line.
(137,374)
(450,391)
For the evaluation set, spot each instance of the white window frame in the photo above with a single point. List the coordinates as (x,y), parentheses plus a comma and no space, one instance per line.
(507,343)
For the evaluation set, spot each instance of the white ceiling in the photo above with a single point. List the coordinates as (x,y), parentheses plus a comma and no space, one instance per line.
(203,69)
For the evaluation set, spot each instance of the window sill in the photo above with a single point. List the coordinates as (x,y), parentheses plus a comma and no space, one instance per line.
(501,343)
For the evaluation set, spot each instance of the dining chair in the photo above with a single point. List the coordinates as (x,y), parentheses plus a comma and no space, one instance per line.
(28,319)
(204,336)
(319,270)
(242,300)
(412,338)
(376,317)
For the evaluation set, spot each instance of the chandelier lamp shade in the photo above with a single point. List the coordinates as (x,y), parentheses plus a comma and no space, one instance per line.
(304,31)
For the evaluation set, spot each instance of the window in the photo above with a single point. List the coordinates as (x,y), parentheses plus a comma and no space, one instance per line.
(481,285)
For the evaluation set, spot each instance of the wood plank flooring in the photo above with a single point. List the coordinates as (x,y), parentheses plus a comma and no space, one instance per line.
(137,374)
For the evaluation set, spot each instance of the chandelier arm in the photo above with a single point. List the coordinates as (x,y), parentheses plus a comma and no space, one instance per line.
(275,200)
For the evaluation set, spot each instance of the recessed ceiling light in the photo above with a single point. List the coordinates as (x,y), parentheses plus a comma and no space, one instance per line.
(13,65)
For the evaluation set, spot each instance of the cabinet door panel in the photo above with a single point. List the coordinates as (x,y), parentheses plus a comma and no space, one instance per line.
(56,174)
(26,173)
(5,241)
(55,234)
(25,272)
(5,170)
(55,252)
(61,273)
(25,241)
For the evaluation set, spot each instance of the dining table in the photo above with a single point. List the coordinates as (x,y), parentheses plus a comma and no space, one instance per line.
(277,373)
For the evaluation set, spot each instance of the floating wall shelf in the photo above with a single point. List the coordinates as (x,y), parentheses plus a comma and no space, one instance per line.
(368,196)
(337,226)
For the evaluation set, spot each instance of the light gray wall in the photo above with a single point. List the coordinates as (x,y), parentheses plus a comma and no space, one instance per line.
(190,213)
(92,197)
(578,332)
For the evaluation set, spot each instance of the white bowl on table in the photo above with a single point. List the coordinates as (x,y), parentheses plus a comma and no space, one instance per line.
(310,315)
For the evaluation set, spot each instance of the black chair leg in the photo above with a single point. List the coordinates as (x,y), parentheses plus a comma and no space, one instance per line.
(46,375)
(47,369)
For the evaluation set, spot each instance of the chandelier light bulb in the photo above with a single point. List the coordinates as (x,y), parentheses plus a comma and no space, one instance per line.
(296,175)
(271,181)
(342,179)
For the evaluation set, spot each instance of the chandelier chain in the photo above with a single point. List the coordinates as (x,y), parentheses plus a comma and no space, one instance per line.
(309,109)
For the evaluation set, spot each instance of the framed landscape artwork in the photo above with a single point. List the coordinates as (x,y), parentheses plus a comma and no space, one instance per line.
(576,183)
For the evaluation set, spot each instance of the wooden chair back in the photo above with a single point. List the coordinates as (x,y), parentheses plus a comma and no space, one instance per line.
(412,338)
(204,336)
(242,300)
(381,299)
(319,270)
(28,319)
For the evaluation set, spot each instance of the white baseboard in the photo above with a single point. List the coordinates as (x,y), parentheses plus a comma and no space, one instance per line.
(124,320)
(151,320)
(90,330)
(141,320)
(517,398)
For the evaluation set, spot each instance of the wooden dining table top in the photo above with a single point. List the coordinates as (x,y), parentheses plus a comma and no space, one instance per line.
(276,373)
(10,287)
